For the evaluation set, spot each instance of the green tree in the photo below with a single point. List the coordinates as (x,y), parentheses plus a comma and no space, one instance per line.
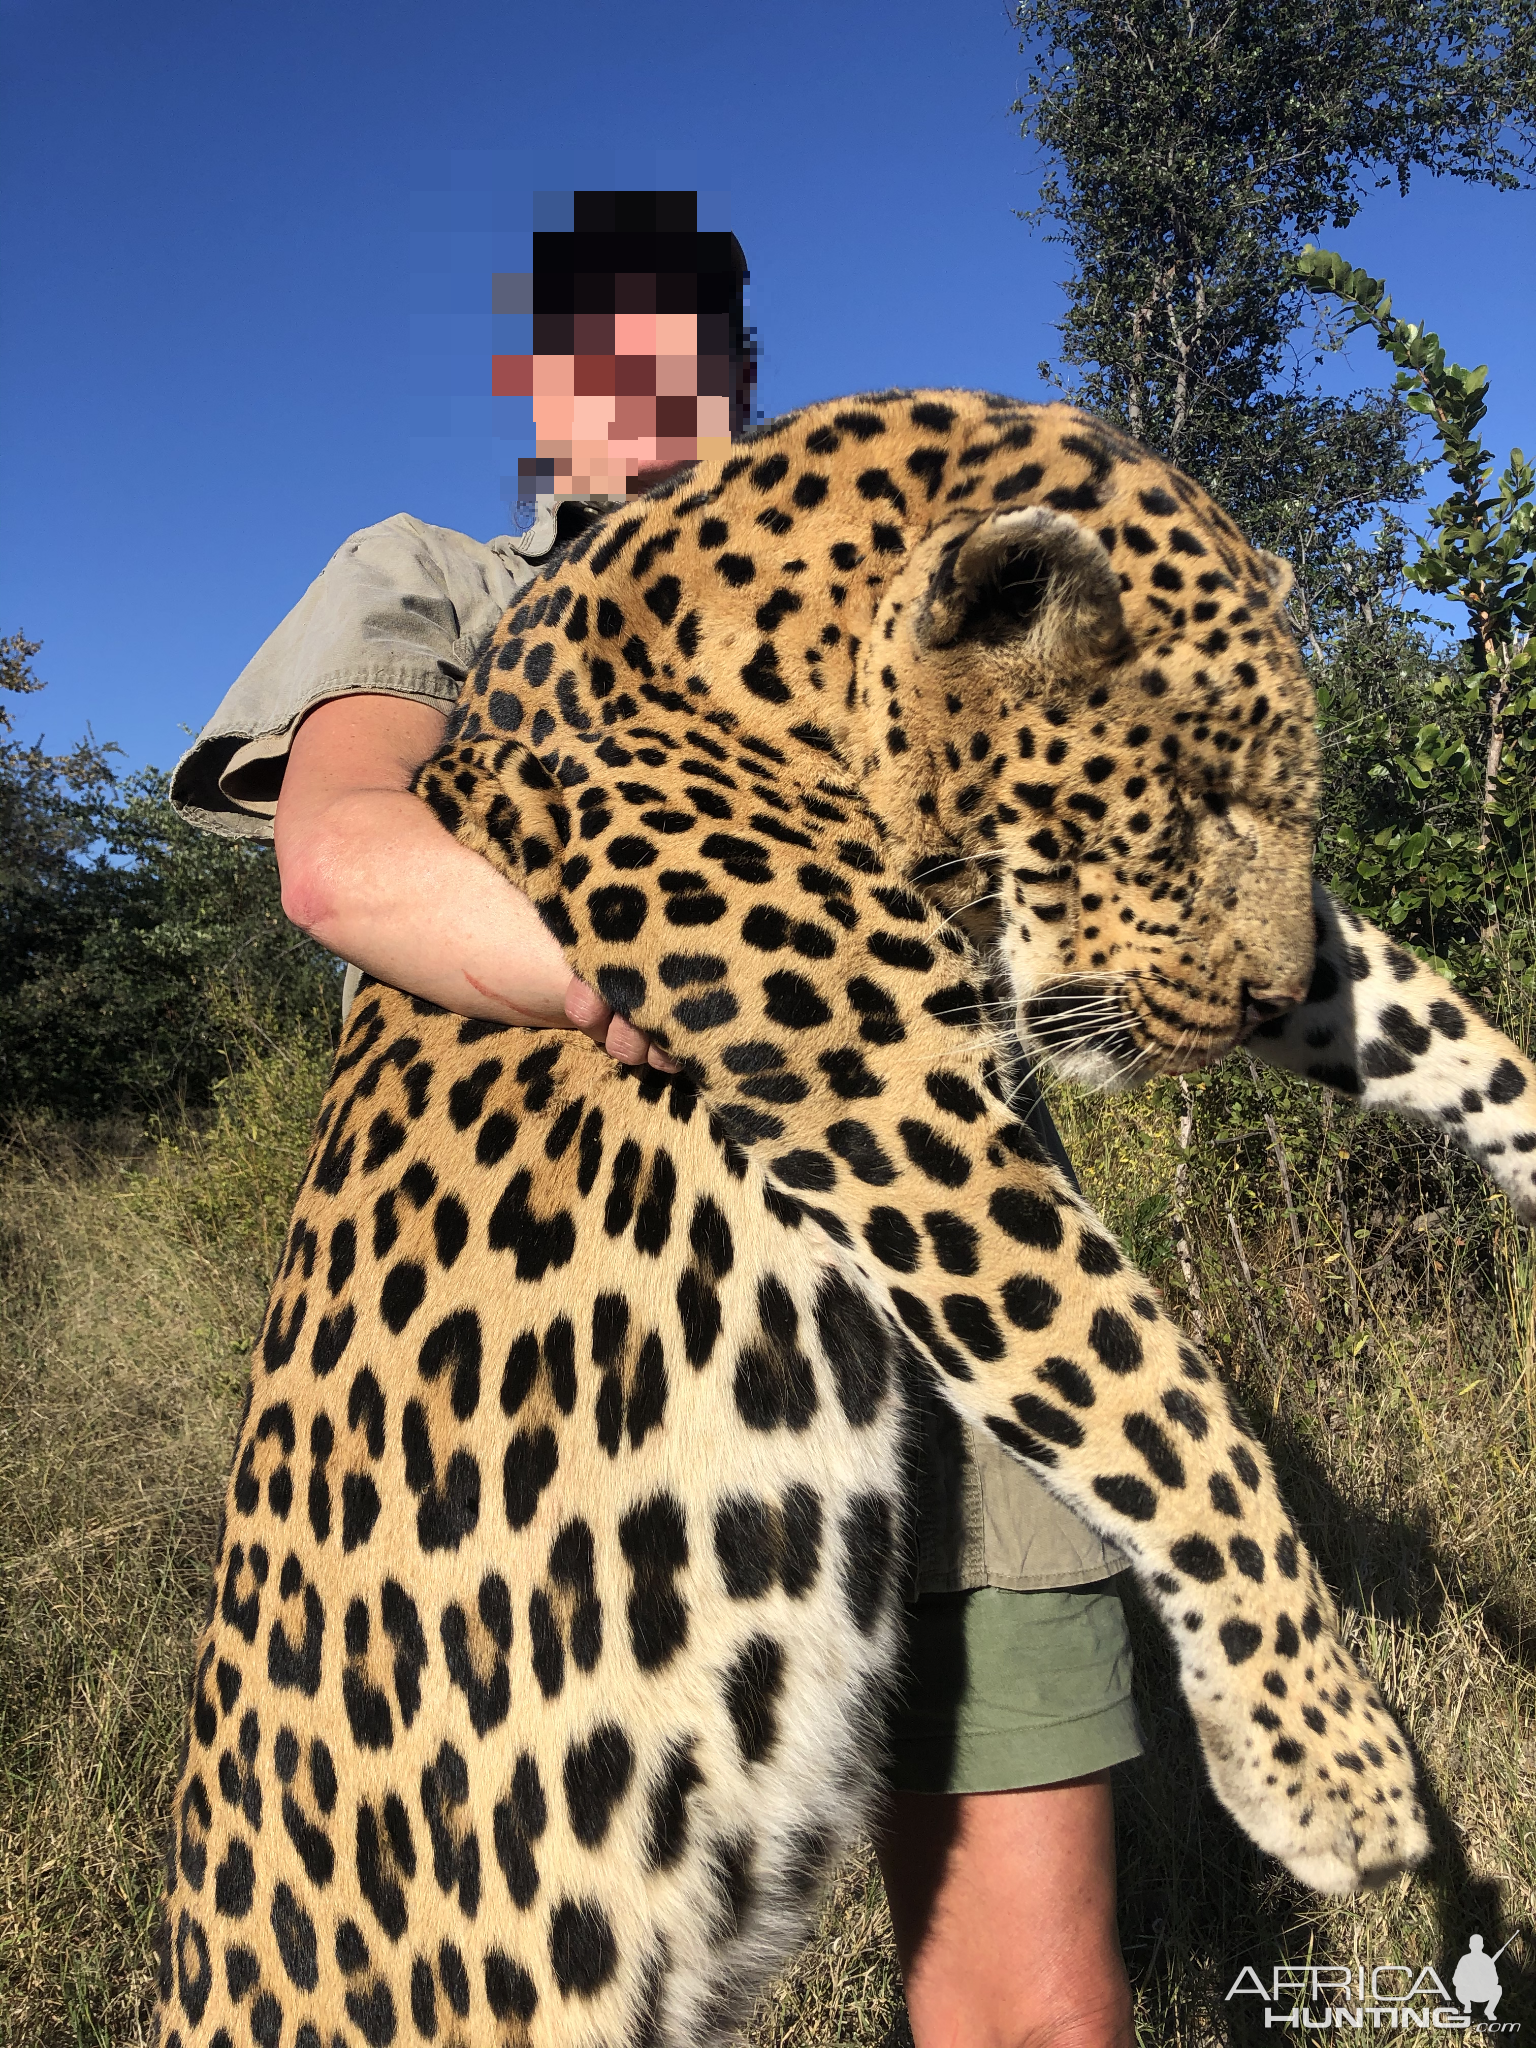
(1462,857)
(1193,144)
(139,959)
(51,805)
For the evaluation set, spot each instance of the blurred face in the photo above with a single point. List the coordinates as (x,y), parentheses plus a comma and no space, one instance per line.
(635,398)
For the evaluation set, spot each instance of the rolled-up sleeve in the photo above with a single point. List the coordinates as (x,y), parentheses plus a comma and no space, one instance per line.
(400,609)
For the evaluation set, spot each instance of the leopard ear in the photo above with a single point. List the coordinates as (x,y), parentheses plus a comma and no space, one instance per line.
(1278,575)
(1033,579)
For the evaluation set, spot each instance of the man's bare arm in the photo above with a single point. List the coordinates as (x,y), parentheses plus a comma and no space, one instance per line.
(368,871)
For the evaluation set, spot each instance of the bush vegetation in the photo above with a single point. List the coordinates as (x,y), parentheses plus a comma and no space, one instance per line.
(130,944)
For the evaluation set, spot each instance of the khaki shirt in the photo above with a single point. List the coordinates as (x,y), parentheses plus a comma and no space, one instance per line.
(401,610)
(398,611)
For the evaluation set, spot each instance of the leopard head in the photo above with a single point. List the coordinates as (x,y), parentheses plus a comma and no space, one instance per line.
(1109,714)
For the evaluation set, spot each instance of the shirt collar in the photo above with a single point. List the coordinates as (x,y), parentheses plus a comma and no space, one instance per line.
(558,517)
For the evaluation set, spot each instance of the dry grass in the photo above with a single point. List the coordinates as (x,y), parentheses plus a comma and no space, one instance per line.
(843,1986)
(131,1279)
(1391,1368)
(1391,1371)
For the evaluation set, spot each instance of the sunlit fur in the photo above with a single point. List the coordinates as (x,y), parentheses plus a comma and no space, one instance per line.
(560,1580)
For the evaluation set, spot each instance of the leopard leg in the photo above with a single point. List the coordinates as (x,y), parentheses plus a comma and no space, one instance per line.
(1382,1029)
(883,1123)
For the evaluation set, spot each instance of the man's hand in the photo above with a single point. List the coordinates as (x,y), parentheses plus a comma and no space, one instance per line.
(368,871)
(631,1048)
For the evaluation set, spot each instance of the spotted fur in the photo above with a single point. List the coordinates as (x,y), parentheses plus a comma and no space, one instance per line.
(560,1579)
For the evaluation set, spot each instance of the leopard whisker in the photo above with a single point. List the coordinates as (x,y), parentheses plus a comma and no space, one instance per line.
(987,896)
(960,860)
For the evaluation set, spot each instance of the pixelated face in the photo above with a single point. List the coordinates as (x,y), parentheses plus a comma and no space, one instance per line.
(618,395)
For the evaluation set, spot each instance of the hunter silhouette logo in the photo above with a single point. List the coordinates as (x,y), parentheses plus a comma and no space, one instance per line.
(1476,1980)
(1355,1997)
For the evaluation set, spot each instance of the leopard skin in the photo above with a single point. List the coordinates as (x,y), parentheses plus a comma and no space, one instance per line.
(559,1587)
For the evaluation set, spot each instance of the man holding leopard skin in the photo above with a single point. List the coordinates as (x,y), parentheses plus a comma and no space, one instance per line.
(1016,1686)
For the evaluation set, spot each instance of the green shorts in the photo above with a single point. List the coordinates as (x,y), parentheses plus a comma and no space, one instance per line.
(1001,1690)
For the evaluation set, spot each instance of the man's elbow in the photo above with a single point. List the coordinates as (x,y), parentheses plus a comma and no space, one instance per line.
(313,896)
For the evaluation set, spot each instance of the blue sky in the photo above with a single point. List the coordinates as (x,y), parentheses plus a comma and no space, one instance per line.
(246,251)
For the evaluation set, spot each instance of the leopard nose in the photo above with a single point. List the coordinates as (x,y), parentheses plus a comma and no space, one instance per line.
(1263,1005)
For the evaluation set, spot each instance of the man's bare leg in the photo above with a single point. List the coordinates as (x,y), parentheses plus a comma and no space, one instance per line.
(1003,1905)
